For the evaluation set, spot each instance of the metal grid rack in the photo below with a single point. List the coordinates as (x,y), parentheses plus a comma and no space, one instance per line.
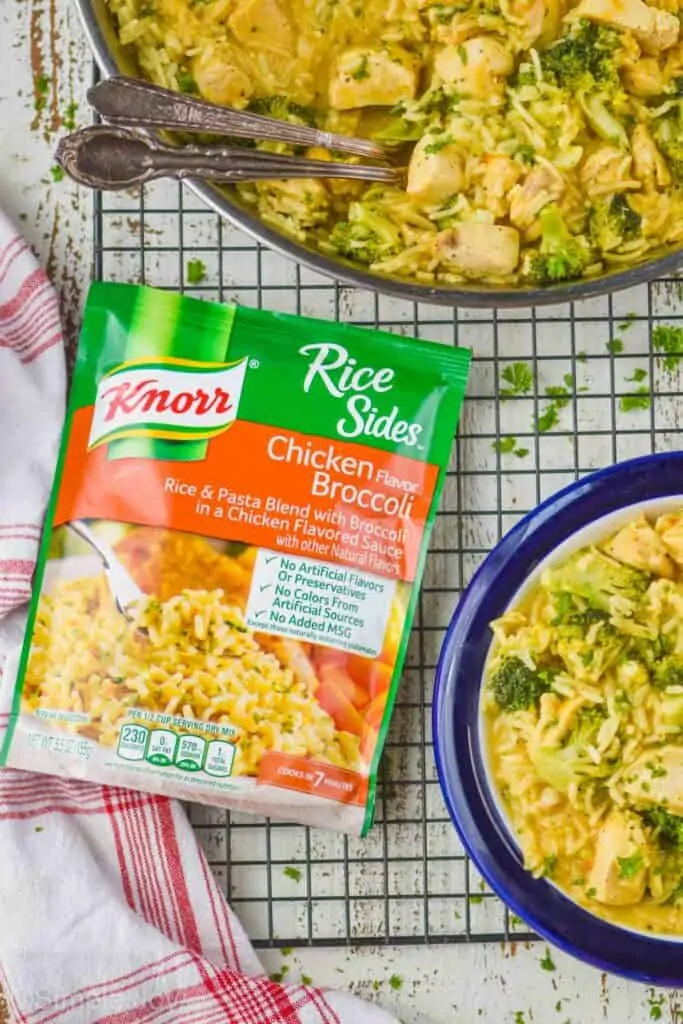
(409,881)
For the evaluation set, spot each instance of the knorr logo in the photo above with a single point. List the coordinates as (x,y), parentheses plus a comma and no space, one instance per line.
(173,399)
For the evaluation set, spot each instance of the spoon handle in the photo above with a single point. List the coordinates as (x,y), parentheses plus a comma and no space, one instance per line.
(125,591)
(127,102)
(83,531)
(109,157)
(229,165)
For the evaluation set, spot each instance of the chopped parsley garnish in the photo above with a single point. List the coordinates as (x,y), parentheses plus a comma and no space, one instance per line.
(627,323)
(547,963)
(293,873)
(439,144)
(668,340)
(508,446)
(526,154)
(560,394)
(196,271)
(655,1003)
(615,346)
(186,83)
(42,88)
(549,865)
(505,445)
(306,979)
(582,357)
(628,867)
(476,898)
(639,399)
(519,380)
(547,419)
(590,893)
(462,54)
(396,982)
(639,374)
(361,71)
(57,173)
(69,118)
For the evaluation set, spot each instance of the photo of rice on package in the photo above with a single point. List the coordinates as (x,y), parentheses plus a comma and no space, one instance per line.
(232,555)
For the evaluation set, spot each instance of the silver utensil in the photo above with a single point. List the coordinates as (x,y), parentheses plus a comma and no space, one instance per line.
(116,158)
(130,103)
(126,593)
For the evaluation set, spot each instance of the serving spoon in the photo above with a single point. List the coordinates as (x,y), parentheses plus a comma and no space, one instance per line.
(127,102)
(112,158)
(124,589)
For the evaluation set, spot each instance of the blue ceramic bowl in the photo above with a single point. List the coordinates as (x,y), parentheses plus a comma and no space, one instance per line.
(577,515)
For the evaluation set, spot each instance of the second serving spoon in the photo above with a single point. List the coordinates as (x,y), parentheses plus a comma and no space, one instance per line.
(115,158)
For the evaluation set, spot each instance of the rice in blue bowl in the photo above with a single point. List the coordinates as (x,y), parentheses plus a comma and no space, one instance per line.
(632,844)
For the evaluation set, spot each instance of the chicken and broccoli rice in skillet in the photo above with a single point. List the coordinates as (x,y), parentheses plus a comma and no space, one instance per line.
(544,140)
(583,706)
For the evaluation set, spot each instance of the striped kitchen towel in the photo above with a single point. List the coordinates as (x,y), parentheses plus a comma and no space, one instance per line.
(108,910)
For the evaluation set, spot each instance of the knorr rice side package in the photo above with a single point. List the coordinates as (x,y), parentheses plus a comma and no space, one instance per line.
(232,555)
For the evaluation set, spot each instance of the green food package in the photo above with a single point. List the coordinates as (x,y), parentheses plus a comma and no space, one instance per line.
(232,555)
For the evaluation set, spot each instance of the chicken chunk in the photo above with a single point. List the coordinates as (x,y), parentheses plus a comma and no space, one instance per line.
(605,171)
(638,545)
(670,528)
(365,77)
(219,80)
(644,77)
(477,67)
(435,171)
(475,248)
(648,163)
(541,186)
(539,20)
(303,201)
(262,24)
(655,30)
(621,861)
(498,175)
(655,778)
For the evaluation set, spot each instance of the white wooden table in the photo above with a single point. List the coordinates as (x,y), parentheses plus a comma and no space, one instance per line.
(44,72)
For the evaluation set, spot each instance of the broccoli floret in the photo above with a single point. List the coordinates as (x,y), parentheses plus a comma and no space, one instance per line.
(588,643)
(569,763)
(667,828)
(613,223)
(599,579)
(667,132)
(596,107)
(582,58)
(561,255)
(284,110)
(668,672)
(366,236)
(515,686)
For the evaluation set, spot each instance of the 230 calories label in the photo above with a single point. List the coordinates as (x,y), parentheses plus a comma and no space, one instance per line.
(319,602)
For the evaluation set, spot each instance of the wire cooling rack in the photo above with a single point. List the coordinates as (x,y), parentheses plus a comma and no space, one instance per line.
(410,881)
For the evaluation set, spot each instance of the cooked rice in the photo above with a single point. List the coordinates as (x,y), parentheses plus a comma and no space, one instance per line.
(196,658)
